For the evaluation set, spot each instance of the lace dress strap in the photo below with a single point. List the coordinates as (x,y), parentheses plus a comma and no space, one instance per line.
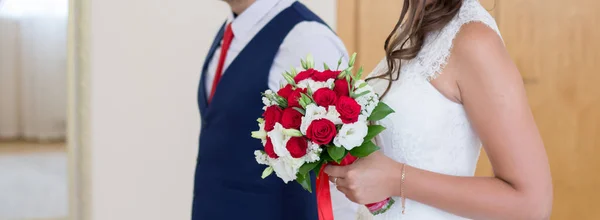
(437,48)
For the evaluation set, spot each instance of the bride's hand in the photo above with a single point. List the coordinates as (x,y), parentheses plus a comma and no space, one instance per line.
(368,180)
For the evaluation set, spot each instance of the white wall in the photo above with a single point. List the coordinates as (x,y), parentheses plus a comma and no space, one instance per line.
(145,58)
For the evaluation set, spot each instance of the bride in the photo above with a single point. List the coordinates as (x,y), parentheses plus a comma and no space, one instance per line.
(454,89)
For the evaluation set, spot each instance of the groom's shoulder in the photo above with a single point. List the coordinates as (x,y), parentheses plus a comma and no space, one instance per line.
(314,36)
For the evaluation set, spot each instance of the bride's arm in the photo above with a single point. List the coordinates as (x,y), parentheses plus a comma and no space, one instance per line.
(493,95)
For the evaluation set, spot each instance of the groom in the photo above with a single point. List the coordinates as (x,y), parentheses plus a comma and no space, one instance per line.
(261,40)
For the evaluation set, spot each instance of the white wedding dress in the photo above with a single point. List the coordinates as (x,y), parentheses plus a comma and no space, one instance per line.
(428,131)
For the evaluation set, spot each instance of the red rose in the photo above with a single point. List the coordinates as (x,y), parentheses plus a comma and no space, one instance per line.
(305,75)
(297,147)
(291,118)
(272,115)
(341,87)
(325,75)
(321,131)
(325,97)
(269,149)
(294,96)
(348,108)
(285,91)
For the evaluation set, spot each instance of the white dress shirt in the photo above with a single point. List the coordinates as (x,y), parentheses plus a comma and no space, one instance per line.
(305,38)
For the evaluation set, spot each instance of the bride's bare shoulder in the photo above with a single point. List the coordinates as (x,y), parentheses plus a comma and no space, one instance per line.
(480,53)
(477,40)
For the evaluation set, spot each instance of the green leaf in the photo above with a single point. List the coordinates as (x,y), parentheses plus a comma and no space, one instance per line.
(325,67)
(293,71)
(259,134)
(355,96)
(310,61)
(304,181)
(304,65)
(381,111)
(341,75)
(336,153)
(364,150)
(318,168)
(292,132)
(349,70)
(362,85)
(300,110)
(374,130)
(302,102)
(359,73)
(267,172)
(352,60)
(281,101)
(325,157)
(307,167)
(339,63)
(306,98)
(289,79)
(309,91)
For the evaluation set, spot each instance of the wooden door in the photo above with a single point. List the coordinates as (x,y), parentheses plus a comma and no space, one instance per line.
(556,45)
(557,50)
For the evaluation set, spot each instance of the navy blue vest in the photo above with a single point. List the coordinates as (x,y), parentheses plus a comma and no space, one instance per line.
(228,182)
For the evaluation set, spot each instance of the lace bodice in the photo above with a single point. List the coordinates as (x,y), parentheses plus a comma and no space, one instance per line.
(428,131)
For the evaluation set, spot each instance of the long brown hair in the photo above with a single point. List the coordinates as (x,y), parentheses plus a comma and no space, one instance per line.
(407,38)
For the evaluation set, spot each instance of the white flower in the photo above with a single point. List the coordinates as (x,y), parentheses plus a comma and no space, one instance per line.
(266,101)
(367,102)
(261,157)
(303,84)
(313,112)
(333,115)
(351,135)
(279,140)
(313,152)
(286,168)
(314,85)
(330,83)
(284,171)
(362,118)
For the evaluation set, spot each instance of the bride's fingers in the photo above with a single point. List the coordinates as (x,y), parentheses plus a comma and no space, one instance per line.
(344,190)
(336,180)
(336,171)
(333,179)
(341,182)
(347,192)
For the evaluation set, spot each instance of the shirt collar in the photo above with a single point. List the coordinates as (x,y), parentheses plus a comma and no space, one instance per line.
(250,17)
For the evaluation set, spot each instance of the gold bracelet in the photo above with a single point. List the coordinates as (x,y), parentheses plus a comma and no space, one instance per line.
(402,196)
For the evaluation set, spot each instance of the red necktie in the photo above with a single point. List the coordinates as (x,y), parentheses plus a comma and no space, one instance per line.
(227,38)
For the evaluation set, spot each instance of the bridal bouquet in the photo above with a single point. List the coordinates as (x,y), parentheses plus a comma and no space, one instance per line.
(319,118)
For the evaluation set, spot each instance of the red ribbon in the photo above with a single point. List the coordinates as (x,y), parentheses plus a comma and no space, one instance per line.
(323,194)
